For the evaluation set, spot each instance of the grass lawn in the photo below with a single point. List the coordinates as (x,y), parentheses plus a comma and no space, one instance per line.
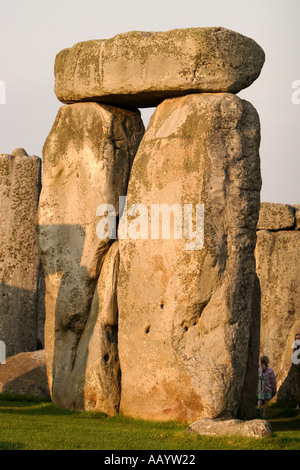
(38,425)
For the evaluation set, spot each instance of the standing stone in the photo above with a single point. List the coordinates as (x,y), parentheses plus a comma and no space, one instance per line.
(87,159)
(143,68)
(188,323)
(277,256)
(20,184)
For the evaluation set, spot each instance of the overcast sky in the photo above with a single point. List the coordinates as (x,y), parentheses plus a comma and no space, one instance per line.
(32,32)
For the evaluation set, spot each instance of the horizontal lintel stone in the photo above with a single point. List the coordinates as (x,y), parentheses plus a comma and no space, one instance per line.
(141,69)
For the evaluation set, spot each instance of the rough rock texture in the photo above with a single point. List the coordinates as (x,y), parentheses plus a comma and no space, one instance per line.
(233,427)
(275,216)
(20,184)
(87,159)
(25,374)
(188,323)
(277,258)
(143,68)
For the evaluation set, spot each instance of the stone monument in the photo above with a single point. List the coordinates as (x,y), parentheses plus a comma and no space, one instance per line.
(157,327)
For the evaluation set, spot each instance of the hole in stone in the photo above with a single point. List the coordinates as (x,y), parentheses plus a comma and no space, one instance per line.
(147,329)
(106,357)
(161,306)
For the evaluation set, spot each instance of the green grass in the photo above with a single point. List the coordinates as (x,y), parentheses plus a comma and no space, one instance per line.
(28,424)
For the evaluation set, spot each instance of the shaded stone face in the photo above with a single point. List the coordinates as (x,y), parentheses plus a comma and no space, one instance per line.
(20,184)
(188,323)
(87,159)
(25,374)
(143,68)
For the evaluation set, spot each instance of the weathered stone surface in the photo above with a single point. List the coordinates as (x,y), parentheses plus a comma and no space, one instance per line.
(25,374)
(274,216)
(143,68)
(188,329)
(277,259)
(20,184)
(87,159)
(233,427)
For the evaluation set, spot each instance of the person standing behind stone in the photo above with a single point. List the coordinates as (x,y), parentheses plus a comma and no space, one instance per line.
(266,385)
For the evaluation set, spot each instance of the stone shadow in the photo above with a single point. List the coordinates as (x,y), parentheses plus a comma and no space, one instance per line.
(32,383)
(21,311)
(289,391)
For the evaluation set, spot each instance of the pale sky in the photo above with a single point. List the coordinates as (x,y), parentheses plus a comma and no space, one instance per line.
(32,32)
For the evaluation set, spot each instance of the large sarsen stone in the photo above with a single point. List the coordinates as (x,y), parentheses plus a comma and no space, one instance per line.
(277,258)
(20,185)
(189,318)
(87,159)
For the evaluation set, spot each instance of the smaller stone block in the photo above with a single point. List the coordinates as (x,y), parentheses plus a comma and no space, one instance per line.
(25,374)
(273,216)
